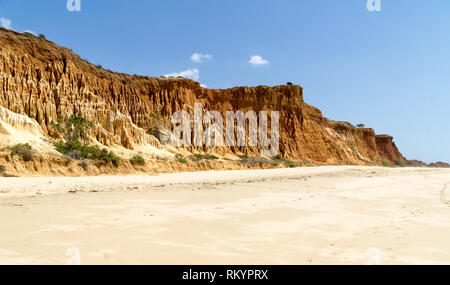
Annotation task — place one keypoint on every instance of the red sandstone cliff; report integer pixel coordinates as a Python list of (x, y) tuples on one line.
[(43, 81)]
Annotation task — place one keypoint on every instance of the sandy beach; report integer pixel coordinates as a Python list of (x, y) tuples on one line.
[(316, 215)]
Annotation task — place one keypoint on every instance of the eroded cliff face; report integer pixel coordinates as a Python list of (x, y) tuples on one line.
[(43, 81), (387, 148)]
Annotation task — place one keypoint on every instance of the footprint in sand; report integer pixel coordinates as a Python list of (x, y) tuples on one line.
[(443, 196)]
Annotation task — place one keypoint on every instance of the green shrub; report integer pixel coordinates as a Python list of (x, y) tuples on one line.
[(199, 156), (278, 157), (112, 157), (156, 116), (75, 128), (348, 123), (290, 164), (80, 151), (153, 132), (385, 163), (360, 125), (137, 160), (182, 160), (2, 168), (258, 161), (42, 36), (23, 150), (399, 162)]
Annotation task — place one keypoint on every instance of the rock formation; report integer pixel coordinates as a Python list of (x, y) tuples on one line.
[(42, 81), (387, 148), (439, 164)]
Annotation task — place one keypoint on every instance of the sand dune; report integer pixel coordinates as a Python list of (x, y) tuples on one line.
[(317, 215)]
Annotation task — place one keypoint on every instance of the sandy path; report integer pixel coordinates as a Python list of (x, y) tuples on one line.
[(321, 215)]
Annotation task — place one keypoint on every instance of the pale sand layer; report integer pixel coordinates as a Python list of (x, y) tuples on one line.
[(324, 215)]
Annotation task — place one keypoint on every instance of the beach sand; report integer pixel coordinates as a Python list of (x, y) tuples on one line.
[(314, 215)]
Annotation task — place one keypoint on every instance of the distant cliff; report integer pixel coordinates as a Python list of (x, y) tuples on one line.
[(44, 81)]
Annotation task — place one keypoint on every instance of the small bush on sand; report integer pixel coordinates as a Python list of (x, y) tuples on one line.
[(137, 160), (290, 164), (2, 168), (23, 150), (385, 163)]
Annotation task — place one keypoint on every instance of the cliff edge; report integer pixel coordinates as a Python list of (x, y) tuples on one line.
[(41, 81)]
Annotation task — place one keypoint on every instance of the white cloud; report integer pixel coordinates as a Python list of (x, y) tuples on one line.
[(192, 73), (257, 60), (5, 23), (199, 57)]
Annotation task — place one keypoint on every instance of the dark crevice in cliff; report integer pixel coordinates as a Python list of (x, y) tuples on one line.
[(65, 65)]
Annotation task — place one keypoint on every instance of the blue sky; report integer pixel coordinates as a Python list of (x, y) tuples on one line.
[(389, 70)]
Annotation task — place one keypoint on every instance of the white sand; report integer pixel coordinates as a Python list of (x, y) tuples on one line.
[(320, 215)]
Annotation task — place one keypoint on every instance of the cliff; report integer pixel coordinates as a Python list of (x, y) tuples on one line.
[(41, 81)]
